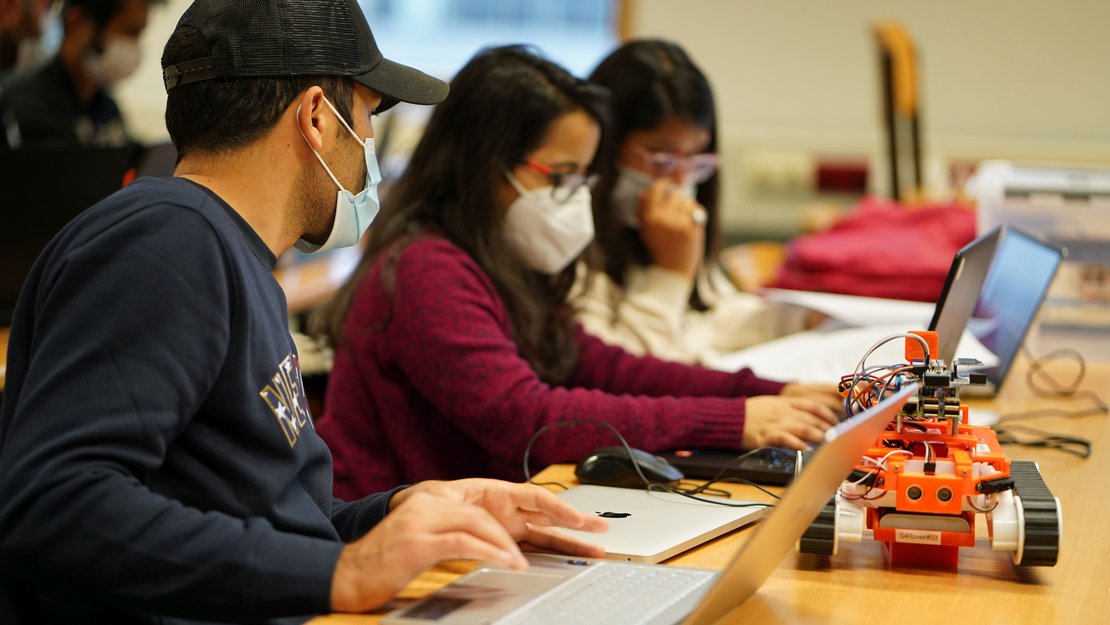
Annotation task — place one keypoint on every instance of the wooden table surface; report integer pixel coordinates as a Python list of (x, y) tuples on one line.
[(857, 586)]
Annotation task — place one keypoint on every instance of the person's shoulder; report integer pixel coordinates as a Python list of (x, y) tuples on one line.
[(156, 196), (431, 260), (150, 228), (150, 210), (428, 251)]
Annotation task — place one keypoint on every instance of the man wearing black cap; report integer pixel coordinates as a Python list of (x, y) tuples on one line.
[(158, 463)]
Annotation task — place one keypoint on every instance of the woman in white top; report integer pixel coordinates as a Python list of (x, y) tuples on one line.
[(654, 285)]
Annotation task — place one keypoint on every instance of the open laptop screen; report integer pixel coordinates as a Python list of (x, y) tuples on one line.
[(1019, 277), (999, 307), (957, 301)]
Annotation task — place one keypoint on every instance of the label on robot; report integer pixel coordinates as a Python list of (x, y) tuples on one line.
[(921, 537), (983, 448)]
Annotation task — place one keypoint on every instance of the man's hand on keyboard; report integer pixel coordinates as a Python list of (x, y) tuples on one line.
[(528, 512), (465, 519)]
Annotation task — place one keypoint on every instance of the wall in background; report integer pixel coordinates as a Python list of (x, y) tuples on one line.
[(797, 79), (141, 97)]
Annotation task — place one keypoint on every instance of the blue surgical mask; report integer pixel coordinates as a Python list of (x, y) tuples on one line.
[(353, 212)]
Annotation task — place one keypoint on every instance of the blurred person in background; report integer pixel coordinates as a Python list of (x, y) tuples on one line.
[(68, 102), (21, 21), (654, 284)]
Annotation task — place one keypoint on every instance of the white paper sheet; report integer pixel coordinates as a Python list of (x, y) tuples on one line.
[(855, 310), (825, 355)]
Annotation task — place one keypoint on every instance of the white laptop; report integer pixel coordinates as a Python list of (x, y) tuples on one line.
[(562, 589), (651, 526)]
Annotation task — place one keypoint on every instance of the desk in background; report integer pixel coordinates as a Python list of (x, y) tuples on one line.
[(310, 282), (856, 586)]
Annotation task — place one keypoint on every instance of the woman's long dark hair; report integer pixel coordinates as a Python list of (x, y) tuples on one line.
[(500, 107), (650, 81)]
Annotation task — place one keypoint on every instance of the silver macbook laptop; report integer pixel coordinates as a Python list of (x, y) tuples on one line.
[(651, 526), (560, 589)]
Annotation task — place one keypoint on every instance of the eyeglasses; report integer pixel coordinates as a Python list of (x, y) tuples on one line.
[(697, 167), (563, 184)]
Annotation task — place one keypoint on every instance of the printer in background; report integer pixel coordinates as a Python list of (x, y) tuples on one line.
[(1069, 205)]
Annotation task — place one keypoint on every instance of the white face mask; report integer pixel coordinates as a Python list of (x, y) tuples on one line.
[(546, 233), (630, 187), (353, 212), (119, 59)]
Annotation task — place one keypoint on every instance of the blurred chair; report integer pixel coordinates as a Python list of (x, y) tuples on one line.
[(752, 266), (899, 69)]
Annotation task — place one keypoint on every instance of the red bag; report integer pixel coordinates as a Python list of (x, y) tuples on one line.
[(882, 249)]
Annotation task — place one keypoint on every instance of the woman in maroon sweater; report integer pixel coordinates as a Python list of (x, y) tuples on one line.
[(455, 342)]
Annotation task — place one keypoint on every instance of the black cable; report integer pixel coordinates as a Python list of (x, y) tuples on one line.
[(703, 489), (971, 503), (720, 476), (1062, 442), (688, 495), (559, 484), (1057, 389), (1050, 412), (609, 426), (862, 369), (740, 480)]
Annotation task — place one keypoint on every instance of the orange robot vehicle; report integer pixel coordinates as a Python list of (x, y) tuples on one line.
[(919, 489)]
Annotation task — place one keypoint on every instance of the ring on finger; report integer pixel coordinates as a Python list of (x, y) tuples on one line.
[(698, 215)]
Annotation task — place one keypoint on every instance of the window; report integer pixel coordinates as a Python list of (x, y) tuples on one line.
[(439, 36)]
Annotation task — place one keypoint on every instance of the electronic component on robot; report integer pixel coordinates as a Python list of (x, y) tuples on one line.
[(919, 489)]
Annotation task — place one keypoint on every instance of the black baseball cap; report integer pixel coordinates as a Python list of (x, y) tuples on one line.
[(282, 38)]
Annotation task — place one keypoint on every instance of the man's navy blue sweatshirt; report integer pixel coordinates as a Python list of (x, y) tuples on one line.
[(158, 462)]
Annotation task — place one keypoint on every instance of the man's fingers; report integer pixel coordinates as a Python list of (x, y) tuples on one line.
[(586, 522), (541, 507), (545, 539), (464, 545), (440, 515)]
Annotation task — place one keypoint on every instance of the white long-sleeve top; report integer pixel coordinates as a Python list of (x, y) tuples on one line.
[(652, 314)]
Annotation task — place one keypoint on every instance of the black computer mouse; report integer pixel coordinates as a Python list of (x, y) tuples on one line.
[(612, 466)]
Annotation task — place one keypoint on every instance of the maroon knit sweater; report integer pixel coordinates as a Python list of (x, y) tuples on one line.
[(441, 392)]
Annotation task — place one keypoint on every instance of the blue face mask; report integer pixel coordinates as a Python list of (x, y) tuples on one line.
[(353, 212)]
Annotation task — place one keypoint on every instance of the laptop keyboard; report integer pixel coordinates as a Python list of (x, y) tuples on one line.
[(616, 592), (769, 465)]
